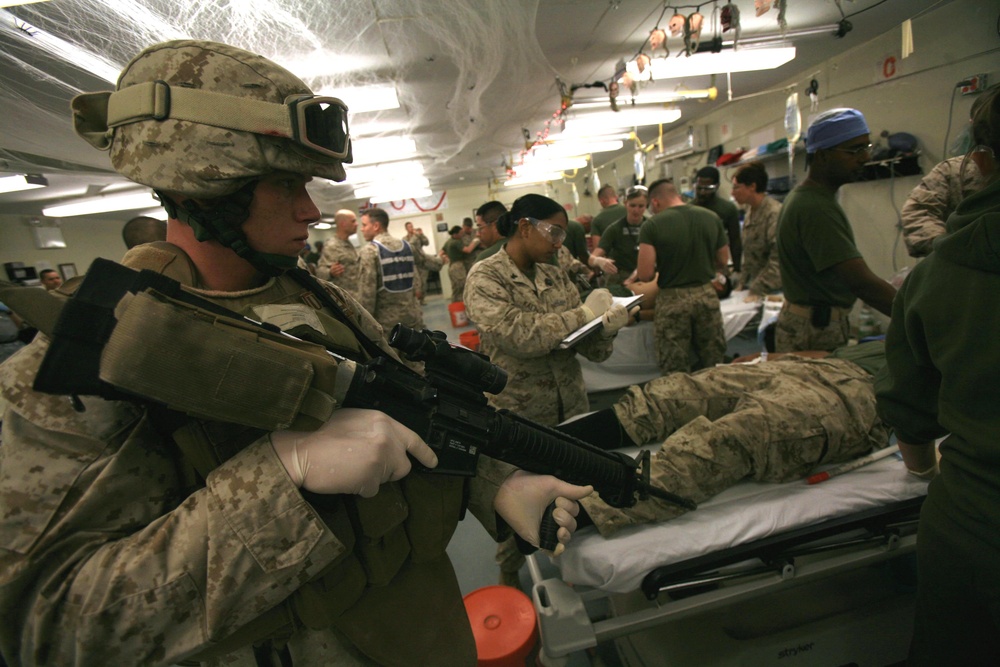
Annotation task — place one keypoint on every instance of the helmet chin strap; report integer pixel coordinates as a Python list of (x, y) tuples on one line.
[(222, 221)]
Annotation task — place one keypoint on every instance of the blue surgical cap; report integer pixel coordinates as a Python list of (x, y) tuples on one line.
[(835, 127)]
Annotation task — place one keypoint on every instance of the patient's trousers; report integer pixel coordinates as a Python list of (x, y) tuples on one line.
[(772, 422)]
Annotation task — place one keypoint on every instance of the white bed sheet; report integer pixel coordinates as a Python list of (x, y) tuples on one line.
[(746, 512)]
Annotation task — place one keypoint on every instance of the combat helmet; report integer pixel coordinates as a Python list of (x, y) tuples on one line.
[(206, 121)]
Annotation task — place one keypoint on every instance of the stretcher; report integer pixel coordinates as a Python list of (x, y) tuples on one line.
[(760, 574)]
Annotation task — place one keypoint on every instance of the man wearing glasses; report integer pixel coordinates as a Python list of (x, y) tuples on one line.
[(822, 271)]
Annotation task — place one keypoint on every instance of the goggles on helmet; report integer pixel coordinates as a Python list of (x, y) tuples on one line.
[(318, 123)]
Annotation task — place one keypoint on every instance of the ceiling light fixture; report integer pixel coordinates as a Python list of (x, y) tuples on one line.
[(384, 171), (605, 120), (532, 179), (700, 64), (22, 182), (365, 98), (85, 60), (574, 148), (391, 186), (375, 149), (400, 194), (121, 202), (544, 165)]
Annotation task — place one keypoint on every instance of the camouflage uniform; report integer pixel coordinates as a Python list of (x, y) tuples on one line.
[(424, 263), (521, 322), (112, 554), (761, 273), (457, 270), (343, 251), (933, 200), (388, 308), (771, 422)]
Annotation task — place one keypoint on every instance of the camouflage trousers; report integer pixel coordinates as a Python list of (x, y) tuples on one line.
[(771, 422), (686, 318), (794, 332), (457, 273)]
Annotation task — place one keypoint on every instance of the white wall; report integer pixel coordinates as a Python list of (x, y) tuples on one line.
[(86, 239)]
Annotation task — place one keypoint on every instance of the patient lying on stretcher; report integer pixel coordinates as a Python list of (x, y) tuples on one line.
[(771, 422)]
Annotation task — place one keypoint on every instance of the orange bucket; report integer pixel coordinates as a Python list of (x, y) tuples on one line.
[(504, 625), (469, 339), (458, 317)]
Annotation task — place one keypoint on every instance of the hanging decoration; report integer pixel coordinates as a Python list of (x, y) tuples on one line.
[(731, 21)]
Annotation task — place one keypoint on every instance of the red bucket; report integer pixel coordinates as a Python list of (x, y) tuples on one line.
[(458, 317), (504, 625), (469, 339)]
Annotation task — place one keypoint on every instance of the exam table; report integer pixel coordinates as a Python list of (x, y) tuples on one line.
[(633, 357), (760, 574)]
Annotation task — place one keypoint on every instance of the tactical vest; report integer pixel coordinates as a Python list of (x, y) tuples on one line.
[(395, 561), (396, 267)]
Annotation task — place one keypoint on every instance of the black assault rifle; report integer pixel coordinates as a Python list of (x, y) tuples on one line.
[(447, 407)]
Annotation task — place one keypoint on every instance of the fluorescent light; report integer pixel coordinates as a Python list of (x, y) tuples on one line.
[(534, 178), (384, 171), (392, 185), (583, 123), (647, 96), (123, 202), (321, 225), (365, 98), (22, 182), (11, 3), (744, 60), (69, 53), (574, 148), (547, 166), (398, 195), (377, 149)]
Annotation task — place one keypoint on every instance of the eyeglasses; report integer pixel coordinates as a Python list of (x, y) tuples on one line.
[(553, 234), (707, 187), (856, 150)]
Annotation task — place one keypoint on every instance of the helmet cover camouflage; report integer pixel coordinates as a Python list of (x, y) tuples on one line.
[(198, 160)]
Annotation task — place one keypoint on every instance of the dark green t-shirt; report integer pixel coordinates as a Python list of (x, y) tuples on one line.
[(576, 240), (490, 251), (813, 237), (730, 215), (869, 356), (605, 218), (687, 239), (620, 242), (453, 248)]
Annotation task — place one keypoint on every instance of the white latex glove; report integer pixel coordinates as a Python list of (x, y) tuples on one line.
[(605, 264), (614, 318), (355, 452), (597, 302), (522, 500)]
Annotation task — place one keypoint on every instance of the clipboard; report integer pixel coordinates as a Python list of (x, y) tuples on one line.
[(595, 324)]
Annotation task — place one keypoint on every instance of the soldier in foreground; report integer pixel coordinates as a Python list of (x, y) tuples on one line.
[(131, 537)]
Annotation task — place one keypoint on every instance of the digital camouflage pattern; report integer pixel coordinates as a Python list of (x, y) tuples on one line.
[(928, 206), (687, 318), (521, 322), (343, 251), (794, 332), (388, 308), (771, 422), (169, 155), (761, 272), (111, 555)]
